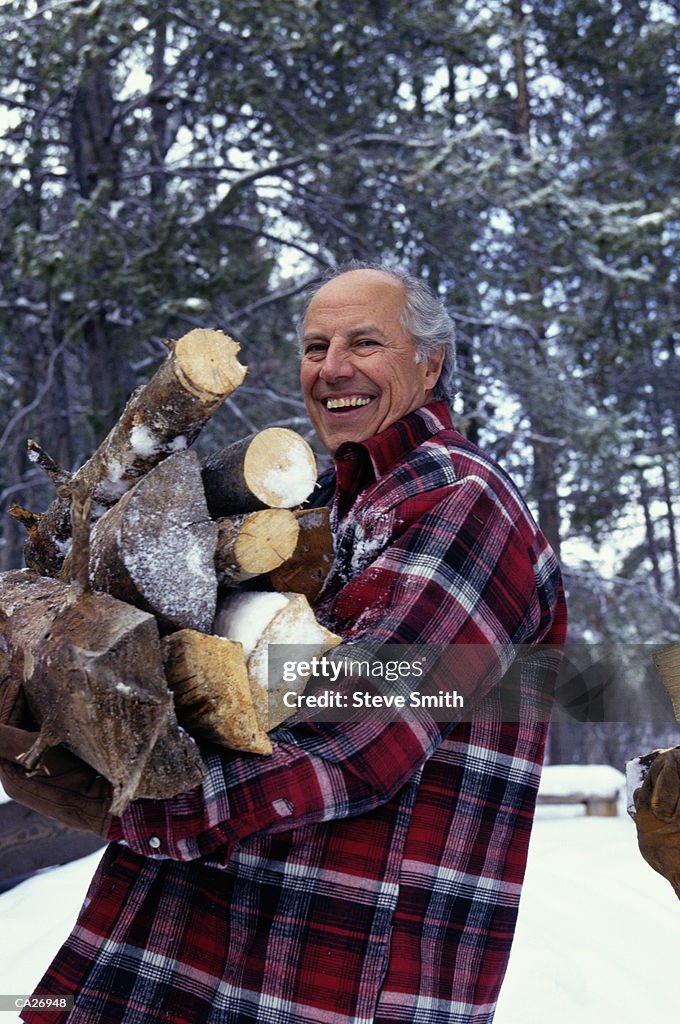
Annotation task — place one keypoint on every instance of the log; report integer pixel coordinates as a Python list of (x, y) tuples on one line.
[(160, 418), (92, 673), (257, 619), (209, 680), (306, 569), (49, 535), (174, 764), (254, 544), (667, 662), (293, 624), (59, 477), (274, 468), (155, 548)]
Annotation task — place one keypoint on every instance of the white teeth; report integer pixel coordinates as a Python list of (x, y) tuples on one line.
[(345, 403)]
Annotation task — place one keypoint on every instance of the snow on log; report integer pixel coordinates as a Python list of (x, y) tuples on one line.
[(253, 544), (92, 673), (209, 680), (161, 417), (155, 548), (306, 569), (273, 468), (667, 662), (257, 619)]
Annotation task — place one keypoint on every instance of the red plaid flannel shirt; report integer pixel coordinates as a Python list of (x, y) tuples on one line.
[(366, 871)]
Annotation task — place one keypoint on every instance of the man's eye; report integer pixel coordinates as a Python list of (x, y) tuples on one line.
[(316, 349), (367, 343)]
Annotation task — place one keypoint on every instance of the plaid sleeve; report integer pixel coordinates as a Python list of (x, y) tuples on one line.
[(463, 573)]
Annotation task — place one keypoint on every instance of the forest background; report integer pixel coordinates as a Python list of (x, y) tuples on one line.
[(167, 165)]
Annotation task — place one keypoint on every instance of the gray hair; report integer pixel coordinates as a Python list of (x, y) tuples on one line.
[(424, 317)]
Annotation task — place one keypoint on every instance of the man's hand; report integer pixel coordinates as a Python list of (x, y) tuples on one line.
[(657, 815), (63, 787)]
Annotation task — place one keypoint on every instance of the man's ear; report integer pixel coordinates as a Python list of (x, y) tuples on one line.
[(435, 361)]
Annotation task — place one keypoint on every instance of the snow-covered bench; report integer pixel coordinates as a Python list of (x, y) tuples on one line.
[(597, 786)]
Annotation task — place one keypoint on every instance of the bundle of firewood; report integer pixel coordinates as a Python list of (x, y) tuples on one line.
[(156, 580)]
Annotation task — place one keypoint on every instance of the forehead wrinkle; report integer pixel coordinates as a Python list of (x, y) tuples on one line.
[(368, 329)]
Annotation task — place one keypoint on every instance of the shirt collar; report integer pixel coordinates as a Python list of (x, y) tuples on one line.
[(384, 450)]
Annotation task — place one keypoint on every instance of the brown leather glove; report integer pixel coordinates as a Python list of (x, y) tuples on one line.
[(657, 814), (63, 786)]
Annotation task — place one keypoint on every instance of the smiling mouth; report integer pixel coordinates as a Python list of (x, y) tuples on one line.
[(355, 402)]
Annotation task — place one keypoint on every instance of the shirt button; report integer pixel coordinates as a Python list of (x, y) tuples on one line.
[(154, 842)]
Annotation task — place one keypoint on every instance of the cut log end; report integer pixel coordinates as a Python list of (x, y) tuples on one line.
[(254, 544), (279, 468), (257, 620), (206, 364), (274, 468)]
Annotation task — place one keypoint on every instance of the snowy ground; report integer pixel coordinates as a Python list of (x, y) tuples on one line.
[(597, 940), (598, 932)]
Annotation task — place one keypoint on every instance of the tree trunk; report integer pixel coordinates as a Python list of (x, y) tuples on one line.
[(545, 477), (159, 111), (652, 549), (545, 488), (96, 152), (522, 107)]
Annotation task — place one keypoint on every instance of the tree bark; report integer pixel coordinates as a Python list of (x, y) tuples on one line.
[(522, 107), (650, 535), (305, 571), (668, 665), (96, 153), (545, 486), (545, 478), (158, 102)]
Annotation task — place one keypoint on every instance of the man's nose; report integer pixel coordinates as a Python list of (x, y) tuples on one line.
[(337, 362)]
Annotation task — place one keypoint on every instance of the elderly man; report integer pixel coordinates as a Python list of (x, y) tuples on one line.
[(369, 870)]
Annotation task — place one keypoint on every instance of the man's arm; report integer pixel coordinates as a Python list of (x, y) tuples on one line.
[(463, 574)]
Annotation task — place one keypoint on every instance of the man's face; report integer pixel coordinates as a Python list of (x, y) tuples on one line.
[(359, 372)]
